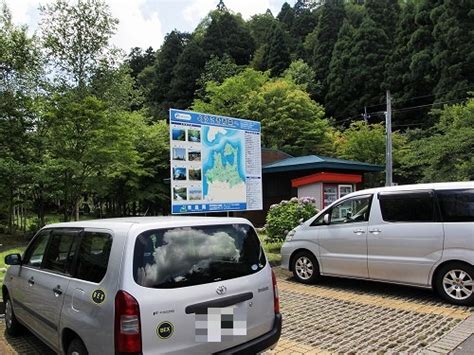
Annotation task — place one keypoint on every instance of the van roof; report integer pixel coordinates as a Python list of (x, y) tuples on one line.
[(152, 222), (428, 186)]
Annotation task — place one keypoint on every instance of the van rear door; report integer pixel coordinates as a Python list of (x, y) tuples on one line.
[(201, 289)]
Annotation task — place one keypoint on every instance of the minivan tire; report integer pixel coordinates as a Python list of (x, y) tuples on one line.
[(13, 327), (451, 282), (76, 347), (305, 267)]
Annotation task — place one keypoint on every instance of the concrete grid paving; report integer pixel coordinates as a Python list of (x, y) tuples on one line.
[(345, 316)]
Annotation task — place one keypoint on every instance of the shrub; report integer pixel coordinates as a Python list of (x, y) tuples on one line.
[(286, 215)]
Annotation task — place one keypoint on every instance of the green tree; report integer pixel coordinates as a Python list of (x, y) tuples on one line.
[(228, 34), (454, 49), (366, 143), (84, 140), (276, 53), (20, 81), (259, 26), (444, 153), (399, 79), (367, 65), (332, 17), (302, 74), (216, 70), (385, 14), (76, 37), (186, 72), (157, 79), (286, 16), (138, 60), (340, 95), (281, 104), (229, 97)]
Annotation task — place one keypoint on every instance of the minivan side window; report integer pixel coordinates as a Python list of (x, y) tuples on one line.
[(351, 210), (456, 205), (58, 254), (34, 254), (93, 256), (407, 207)]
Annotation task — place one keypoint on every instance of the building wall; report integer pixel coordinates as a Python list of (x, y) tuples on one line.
[(312, 190)]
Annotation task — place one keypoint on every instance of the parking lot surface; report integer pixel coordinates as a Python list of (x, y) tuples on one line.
[(346, 316)]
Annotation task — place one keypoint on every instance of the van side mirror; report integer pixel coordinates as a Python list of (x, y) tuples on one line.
[(326, 219), (13, 259)]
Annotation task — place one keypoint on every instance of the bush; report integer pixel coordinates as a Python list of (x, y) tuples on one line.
[(286, 215)]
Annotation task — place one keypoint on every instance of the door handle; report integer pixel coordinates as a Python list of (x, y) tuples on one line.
[(31, 281), (375, 231), (358, 231), (57, 291)]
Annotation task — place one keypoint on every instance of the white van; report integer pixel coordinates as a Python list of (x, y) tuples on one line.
[(420, 235), (170, 285)]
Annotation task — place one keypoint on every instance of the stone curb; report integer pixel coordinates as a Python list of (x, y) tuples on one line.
[(452, 339)]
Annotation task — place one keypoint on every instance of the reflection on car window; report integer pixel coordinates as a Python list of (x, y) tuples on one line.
[(34, 254), (351, 211), (93, 258), (57, 255), (179, 257)]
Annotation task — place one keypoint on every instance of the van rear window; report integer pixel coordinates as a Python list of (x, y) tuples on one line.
[(187, 256)]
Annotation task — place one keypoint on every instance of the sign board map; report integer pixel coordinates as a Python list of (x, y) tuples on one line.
[(215, 163)]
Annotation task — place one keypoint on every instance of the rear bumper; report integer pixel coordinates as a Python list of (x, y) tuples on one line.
[(259, 344)]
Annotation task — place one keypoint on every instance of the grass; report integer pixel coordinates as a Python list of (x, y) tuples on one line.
[(272, 249)]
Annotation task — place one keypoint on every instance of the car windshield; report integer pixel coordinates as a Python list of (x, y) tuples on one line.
[(187, 256)]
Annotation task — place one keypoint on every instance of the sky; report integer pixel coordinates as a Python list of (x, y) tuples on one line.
[(144, 23)]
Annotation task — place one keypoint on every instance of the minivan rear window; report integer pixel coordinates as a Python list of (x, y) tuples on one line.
[(456, 205), (187, 256), (407, 207)]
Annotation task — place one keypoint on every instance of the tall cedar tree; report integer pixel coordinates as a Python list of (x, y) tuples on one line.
[(159, 98), (138, 60), (454, 49), (259, 26), (385, 14), (276, 54), (286, 16), (186, 72), (422, 74), (370, 50), (227, 34), (398, 77), (330, 22), (304, 23), (340, 87)]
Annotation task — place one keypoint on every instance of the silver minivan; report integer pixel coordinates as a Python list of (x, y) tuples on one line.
[(157, 285), (420, 235)]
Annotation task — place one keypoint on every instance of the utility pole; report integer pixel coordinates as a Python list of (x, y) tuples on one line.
[(388, 149), (365, 115)]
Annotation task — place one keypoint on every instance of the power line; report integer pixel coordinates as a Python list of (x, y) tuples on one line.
[(404, 109)]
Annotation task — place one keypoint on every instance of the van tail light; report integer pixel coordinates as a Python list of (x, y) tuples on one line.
[(128, 338), (276, 298)]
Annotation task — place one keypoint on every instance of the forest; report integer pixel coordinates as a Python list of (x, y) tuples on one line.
[(83, 125)]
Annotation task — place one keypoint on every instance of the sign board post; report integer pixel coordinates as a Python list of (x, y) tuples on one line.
[(216, 163)]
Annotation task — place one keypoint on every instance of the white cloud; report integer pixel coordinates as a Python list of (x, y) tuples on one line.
[(133, 31)]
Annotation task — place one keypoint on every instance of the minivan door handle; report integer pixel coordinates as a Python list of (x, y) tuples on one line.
[(57, 291), (375, 231), (358, 231), (31, 281)]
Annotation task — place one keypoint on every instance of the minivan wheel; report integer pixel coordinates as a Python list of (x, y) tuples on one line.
[(76, 347), (455, 283), (12, 325), (305, 267)]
